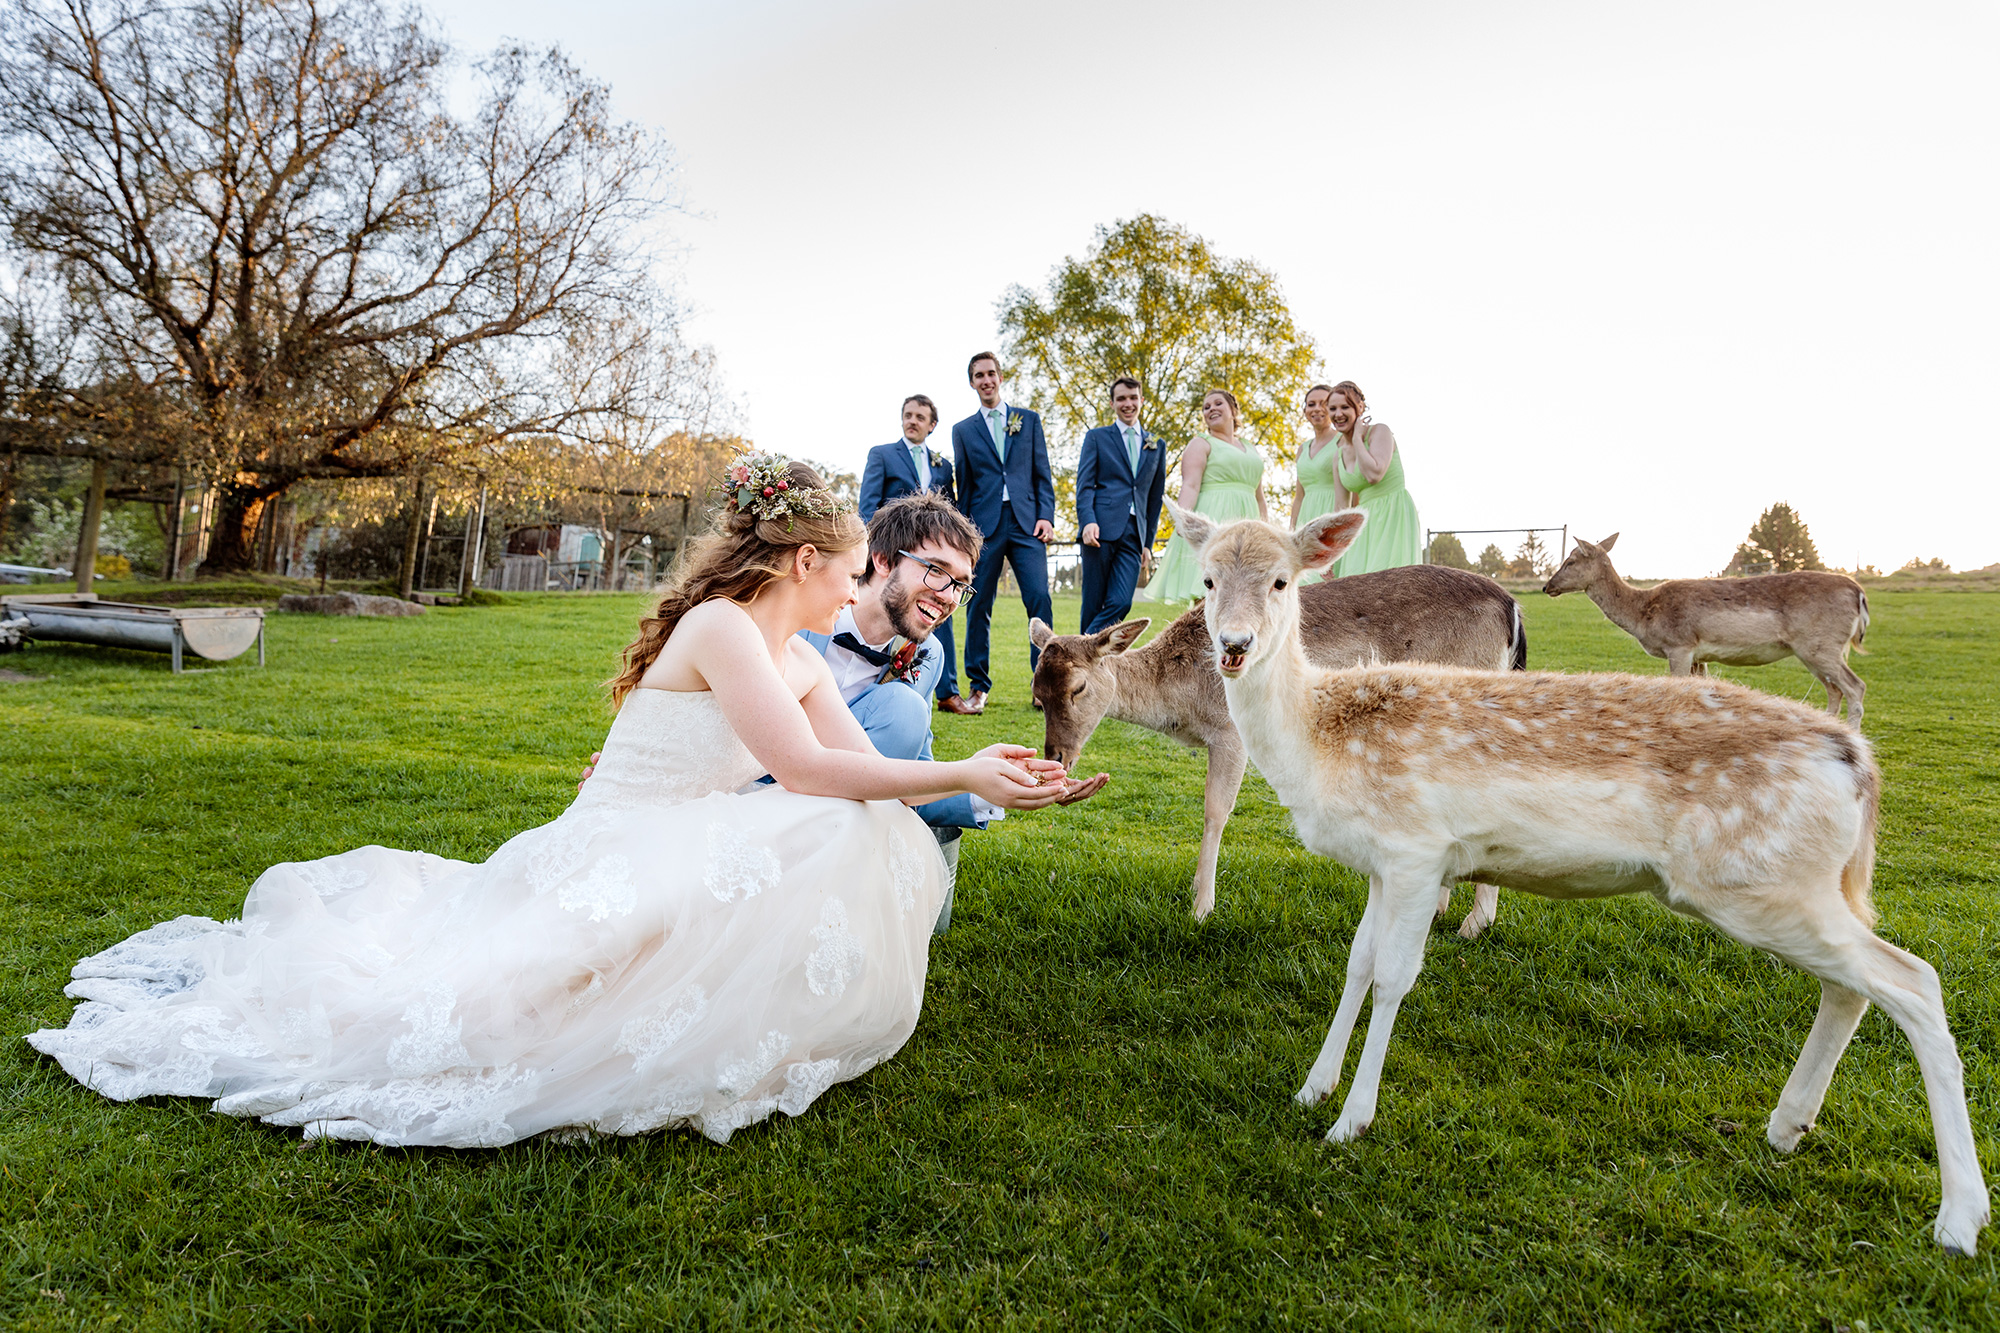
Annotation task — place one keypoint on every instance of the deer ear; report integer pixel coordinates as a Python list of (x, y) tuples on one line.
[(1320, 542), (1039, 634), (1120, 637), (1608, 542), (1194, 527)]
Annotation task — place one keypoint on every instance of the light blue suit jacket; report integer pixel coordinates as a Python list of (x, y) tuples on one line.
[(952, 811)]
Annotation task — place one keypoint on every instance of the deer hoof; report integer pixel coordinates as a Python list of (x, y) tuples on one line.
[(1473, 926), (1204, 903), (1310, 1095), (1785, 1138), (1347, 1129)]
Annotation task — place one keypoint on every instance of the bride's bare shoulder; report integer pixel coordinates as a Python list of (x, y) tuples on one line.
[(717, 613)]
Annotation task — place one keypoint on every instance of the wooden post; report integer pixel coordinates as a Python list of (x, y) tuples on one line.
[(173, 570), (406, 578), (475, 540), (430, 528), (86, 536)]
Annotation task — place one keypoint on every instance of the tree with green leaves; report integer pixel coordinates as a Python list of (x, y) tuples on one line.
[(1155, 301), (1448, 550), (1492, 561), (1778, 543), (1531, 561)]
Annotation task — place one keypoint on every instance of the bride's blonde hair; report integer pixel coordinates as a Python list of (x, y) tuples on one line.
[(736, 559)]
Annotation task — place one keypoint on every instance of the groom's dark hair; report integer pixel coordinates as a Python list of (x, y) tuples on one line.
[(906, 524), (983, 356)]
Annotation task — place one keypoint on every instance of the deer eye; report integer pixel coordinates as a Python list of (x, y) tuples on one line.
[(1079, 689), (1208, 584), (1279, 586)]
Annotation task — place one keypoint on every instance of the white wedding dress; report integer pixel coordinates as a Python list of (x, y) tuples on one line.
[(668, 952)]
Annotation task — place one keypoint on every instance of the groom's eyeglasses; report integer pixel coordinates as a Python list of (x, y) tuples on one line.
[(938, 579)]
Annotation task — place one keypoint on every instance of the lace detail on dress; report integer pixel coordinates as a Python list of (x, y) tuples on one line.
[(735, 1078), (432, 1044), (609, 890), (839, 956), (647, 1038), (906, 870), (666, 747), (739, 866)]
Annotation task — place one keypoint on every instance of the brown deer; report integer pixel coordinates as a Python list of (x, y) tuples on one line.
[(1423, 613), (1813, 615), (1751, 812)]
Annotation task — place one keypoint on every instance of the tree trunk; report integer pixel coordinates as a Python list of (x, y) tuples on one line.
[(86, 536), (406, 578), (173, 569), (239, 513)]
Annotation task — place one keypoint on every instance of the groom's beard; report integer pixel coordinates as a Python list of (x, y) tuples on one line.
[(899, 603)]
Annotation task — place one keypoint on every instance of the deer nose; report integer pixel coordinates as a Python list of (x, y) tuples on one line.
[(1236, 644)]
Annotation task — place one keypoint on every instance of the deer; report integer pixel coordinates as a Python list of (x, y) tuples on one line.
[(1423, 613), (1753, 813), (1814, 615)]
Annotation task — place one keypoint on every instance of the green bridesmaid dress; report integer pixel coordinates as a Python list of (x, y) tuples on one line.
[(1228, 492), (1393, 536), (1320, 475)]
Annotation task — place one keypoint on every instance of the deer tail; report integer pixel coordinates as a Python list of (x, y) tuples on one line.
[(1518, 652), (1860, 630)]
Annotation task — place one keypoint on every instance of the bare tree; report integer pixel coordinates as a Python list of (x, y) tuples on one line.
[(293, 250)]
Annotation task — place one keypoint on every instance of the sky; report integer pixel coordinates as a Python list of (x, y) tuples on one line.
[(1626, 267)]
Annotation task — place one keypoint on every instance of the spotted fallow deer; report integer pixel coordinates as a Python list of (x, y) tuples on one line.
[(1420, 613), (1748, 811), (1813, 615)]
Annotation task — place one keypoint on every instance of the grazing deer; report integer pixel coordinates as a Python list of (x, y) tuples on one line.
[(1751, 812), (1813, 615), (1423, 613)]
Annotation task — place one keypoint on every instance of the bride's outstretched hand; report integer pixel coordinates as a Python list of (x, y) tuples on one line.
[(1000, 774), (1074, 789)]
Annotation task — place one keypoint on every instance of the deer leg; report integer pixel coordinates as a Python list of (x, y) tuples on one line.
[(1225, 780), (1399, 956), (1680, 662), (1841, 682), (1821, 936), (1325, 1072), (1485, 911), (1840, 1011)]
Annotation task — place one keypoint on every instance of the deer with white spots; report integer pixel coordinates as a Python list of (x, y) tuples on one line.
[(1752, 813)]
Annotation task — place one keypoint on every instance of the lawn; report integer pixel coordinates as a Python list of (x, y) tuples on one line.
[(1093, 1124)]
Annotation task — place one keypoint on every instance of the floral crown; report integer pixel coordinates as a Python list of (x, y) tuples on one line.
[(760, 485)]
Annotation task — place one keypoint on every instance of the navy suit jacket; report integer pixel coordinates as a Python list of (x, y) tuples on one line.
[(891, 474), (1031, 489), (1107, 492)]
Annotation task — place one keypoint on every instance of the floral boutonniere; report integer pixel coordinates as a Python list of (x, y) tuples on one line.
[(1014, 420), (902, 663), (1149, 441)]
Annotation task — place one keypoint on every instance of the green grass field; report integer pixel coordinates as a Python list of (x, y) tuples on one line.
[(1093, 1124)]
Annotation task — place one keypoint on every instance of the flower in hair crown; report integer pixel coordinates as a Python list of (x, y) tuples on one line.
[(760, 485)]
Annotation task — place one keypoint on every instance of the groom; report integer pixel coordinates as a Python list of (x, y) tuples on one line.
[(1006, 489), (906, 467), (886, 661), (1120, 480)]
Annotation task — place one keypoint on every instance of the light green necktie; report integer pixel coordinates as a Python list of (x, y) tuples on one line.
[(1132, 450), (999, 429), (917, 462)]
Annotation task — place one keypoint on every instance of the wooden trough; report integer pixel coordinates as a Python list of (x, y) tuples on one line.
[(216, 633)]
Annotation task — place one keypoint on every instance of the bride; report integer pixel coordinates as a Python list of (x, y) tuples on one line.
[(681, 947)]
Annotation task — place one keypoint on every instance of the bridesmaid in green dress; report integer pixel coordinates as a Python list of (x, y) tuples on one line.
[(1318, 490), (1369, 469), (1221, 478)]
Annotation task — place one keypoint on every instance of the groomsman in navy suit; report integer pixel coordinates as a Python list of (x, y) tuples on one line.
[(1006, 489), (1120, 481), (906, 467)]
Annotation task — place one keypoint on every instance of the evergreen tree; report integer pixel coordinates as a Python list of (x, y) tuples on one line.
[(1492, 563), (1778, 543), (1447, 550)]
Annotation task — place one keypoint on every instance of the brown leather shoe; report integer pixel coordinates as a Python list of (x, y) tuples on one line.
[(977, 702), (954, 704)]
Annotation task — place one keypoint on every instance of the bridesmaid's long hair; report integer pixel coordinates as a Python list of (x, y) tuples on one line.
[(735, 559)]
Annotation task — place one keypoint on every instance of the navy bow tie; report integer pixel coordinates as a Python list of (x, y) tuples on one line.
[(872, 656)]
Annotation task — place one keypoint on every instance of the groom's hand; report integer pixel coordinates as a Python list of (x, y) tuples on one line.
[(1049, 771), (1082, 789)]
